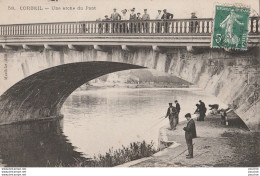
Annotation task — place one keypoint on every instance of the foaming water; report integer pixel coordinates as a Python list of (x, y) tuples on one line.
[(96, 120)]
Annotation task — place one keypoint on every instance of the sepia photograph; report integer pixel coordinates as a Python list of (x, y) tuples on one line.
[(140, 84)]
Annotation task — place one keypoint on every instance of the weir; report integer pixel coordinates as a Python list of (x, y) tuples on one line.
[(34, 53)]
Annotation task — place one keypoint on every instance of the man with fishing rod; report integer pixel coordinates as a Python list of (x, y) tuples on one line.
[(172, 114)]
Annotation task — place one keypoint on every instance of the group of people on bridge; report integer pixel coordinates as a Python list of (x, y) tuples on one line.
[(143, 27)]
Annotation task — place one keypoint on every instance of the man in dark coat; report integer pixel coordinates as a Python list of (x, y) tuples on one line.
[(223, 115), (172, 114), (166, 16), (106, 24), (139, 24), (132, 19), (203, 110), (194, 25), (190, 133), (115, 16), (178, 108)]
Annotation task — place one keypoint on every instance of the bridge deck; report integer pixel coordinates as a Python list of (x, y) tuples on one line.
[(175, 32)]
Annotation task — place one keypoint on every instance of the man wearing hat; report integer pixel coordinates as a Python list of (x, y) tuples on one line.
[(145, 17), (171, 113), (124, 17), (106, 18), (194, 25), (158, 25), (159, 15), (132, 18), (203, 110), (139, 16), (106, 24), (190, 133), (166, 16), (123, 25), (138, 23), (115, 17), (132, 15)]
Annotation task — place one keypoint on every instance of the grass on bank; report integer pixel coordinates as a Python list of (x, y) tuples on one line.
[(136, 150)]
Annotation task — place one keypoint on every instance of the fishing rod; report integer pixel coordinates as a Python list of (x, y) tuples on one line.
[(156, 123), (182, 152), (156, 120), (161, 117)]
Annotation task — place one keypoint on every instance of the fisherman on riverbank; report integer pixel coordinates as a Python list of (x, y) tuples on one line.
[(172, 114), (178, 108), (203, 110), (190, 133)]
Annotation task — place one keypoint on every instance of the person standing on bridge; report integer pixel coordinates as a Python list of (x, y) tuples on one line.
[(145, 17), (159, 15), (194, 25), (132, 19), (115, 17), (123, 25), (190, 133), (106, 19), (172, 114), (178, 108), (158, 24), (138, 23), (166, 16)]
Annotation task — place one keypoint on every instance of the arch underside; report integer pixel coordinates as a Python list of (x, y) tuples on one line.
[(42, 94)]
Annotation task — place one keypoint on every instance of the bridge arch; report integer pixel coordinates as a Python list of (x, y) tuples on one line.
[(42, 94), (218, 72)]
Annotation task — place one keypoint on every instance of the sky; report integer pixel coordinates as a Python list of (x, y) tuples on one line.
[(100, 8)]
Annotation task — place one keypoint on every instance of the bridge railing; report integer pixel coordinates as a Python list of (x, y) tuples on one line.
[(150, 27)]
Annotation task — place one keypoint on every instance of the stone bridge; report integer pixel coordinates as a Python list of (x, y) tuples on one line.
[(42, 64)]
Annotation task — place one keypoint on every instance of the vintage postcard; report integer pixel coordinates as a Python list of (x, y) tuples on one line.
[(140, 83)]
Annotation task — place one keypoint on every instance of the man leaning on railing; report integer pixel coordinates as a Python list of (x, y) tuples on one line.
[(166, 16), (194, 25)]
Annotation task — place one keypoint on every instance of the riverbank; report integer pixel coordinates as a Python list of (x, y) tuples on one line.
[(131, 86), (216, 146)]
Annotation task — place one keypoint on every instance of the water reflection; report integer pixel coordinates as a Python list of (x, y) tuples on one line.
[(35, 144)]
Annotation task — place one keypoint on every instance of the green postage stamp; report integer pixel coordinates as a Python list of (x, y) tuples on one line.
[(230, 27)]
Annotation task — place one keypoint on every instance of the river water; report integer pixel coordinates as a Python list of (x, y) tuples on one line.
[(97, 120), (94, 121)]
